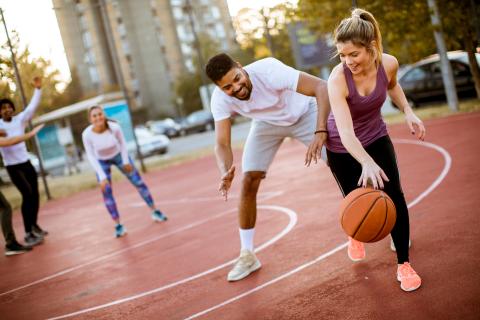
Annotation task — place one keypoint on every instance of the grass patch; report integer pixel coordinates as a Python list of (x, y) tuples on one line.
[(65, 186)]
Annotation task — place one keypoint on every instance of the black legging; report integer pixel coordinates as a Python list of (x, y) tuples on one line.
[(24, 177), (347, 171)]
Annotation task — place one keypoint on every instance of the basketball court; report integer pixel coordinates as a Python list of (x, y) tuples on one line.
[(177, 269)]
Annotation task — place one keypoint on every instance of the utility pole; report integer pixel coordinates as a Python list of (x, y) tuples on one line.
[(187, 8), (24, 101), (119, 74), (447, 74)]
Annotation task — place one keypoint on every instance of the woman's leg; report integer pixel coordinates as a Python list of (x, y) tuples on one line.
[(107, 192), (383, 153), (135, 178)]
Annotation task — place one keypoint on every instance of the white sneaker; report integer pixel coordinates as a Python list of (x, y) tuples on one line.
[(392, 245), (246, 264)]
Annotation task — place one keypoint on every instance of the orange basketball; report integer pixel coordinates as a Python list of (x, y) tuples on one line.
[(367, 215)]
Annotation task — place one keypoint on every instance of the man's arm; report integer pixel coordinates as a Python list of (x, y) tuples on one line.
[(316, 87), (224, 154), (29, 111), (6, 142)]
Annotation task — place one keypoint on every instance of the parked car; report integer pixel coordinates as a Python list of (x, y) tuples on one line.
[(422, 82), (150, 143), (167, 126), (198, 121)]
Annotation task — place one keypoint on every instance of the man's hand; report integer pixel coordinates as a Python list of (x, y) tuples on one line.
[(37, 82), (226, 182), (3, 133), (315, 148), (35, 130)]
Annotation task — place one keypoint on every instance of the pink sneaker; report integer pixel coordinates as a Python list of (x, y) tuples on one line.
[(409, 279), (356, 250)]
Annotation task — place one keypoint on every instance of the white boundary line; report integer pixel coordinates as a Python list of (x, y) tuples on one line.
[(446, 168), (266, 195), (292, 222), (261, 197)]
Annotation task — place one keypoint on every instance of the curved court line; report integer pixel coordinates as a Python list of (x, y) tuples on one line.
[(266, 195), (446, 168), (292, 222), (261, 197)]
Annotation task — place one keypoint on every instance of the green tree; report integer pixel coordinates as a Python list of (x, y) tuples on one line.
[(405, 25), (28, 68), (252, 26)]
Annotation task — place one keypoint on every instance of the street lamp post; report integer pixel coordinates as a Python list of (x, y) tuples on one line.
[(118, 72), (187, 8), (24, 101)]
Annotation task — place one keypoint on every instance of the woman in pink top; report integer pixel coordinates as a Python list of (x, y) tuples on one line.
[(359, 149), (105, 146)]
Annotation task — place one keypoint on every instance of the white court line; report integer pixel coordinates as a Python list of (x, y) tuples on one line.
[(261, 197), (292, 222), (446, 168), (266, 195)]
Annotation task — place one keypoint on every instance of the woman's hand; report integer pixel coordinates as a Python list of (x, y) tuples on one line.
[(372, 173), (127, 168), (103, 184), (415, 124)]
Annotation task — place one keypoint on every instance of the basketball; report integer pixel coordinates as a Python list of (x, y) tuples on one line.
[(367, 215)]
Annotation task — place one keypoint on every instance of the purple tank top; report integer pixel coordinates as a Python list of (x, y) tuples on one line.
[(365, 110)]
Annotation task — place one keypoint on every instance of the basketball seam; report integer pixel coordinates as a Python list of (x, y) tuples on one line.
[(384, 222), (364, 217), (352, 201)]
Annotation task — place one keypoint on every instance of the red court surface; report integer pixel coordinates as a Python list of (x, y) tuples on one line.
[(177, 269)]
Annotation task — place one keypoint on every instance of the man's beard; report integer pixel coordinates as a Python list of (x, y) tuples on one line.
[(248, 88)]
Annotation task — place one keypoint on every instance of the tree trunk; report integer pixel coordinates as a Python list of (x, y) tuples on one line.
[(474, 68), (447, 74)]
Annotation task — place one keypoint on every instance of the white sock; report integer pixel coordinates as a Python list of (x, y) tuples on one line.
[(246, 238)]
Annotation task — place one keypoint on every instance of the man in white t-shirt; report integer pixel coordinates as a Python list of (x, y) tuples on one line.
[(17, 162), (279, 100)]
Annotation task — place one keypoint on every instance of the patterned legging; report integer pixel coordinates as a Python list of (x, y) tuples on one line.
[(134, 178)]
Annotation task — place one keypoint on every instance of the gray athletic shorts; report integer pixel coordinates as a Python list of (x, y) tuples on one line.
[(264, 139)]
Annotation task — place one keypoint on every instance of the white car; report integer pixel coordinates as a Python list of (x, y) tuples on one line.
[(150, 143)]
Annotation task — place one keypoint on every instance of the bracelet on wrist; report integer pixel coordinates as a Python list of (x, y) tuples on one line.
[(320, 131)]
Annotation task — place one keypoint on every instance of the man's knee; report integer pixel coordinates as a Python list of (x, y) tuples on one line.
[(251, 180)]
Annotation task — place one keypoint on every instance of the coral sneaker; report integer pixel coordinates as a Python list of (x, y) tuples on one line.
[(409, 279), (356, 250)]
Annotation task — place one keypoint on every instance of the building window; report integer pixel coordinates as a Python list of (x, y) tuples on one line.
[(178, 13), (220, 30), (87, 40), (215, 12), (94, 75), (189, 64)]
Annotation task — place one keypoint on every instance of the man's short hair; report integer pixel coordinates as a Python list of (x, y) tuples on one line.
[(7, 101), (218, 66)]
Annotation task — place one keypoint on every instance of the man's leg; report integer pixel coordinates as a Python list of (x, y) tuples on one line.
[(262, 144), (247, 209)]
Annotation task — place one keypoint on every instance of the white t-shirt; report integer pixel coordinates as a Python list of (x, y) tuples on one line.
[(273, 99), (104, 146), (16, 127)]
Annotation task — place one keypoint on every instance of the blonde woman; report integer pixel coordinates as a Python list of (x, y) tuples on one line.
[(359, 149)]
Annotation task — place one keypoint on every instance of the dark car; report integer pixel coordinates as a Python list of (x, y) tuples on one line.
[(198, 121), (167, 126), (422, 82)]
